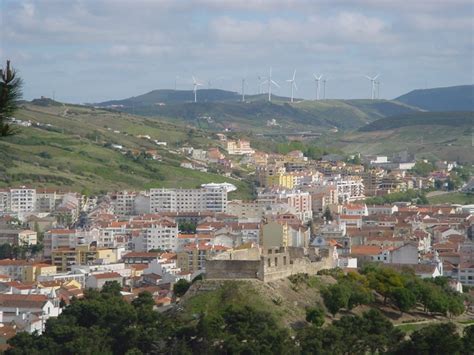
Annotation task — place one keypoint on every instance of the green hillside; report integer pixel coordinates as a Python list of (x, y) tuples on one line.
[(451, 119), (454, 98), (352, 114), (425, 141), (217, 109), (72, 147)]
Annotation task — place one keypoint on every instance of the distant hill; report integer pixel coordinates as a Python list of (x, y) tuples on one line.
[(454, 98), (157, 97), (451, 119), (432, 135), (223, 109)]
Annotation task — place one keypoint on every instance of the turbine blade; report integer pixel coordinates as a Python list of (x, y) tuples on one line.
[(294, 83), (275, 83)]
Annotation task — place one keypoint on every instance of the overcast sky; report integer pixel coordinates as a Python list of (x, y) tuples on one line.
[(95, 50)]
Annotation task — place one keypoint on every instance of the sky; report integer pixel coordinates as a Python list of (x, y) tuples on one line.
[(96, 50)]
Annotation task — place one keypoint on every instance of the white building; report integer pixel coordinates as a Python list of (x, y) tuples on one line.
[(160, 235), (206, 199), (22, 199)]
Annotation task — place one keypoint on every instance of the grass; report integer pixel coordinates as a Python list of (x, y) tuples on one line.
[(235, 293), (411, 327), (72, 153), (453, 198)]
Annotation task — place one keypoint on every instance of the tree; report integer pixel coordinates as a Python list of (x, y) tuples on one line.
[(468, 340), (10, 94), (144, 301), (111, 289), (436, 339), (403, 298), (181, 287), (336, 297), (327, 214), (315, 315)]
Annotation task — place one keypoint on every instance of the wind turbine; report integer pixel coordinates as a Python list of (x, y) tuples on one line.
[(324, 89), (317, 79), (373, 84), (378, 89), (293, 84), (195, 87), (270, 82), (243, 89)]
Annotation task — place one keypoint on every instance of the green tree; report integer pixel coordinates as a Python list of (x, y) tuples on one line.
[(181, 287), (327, 214), (436, 339), (403, 298), (10, 94), (336, 297), (468, 340), (315, 315)]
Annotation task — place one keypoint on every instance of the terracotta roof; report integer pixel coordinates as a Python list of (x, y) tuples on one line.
[(366, 250), (22, 301), (107, 275)]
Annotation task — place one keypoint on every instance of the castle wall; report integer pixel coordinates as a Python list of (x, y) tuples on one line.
[(232, 269)]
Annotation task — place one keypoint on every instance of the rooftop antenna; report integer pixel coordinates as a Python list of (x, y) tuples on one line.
[(195, 87), (270, 82), (292, 84), (317, 79), (372, 80)]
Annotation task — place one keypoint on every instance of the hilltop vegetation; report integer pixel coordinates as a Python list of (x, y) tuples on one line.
[(226, 110), (454, 98), (73, 147)]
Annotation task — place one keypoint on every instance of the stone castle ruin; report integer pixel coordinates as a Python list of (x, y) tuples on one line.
[(268, 264)]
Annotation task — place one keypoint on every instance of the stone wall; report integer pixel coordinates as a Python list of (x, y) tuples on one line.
[(273, 264), (232, 269)]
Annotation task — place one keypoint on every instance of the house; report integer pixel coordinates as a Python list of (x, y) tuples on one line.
[(466, 274), (97, 281), (30, 312), (406, 254)]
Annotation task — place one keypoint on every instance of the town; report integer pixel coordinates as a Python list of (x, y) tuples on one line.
[(307, 215)]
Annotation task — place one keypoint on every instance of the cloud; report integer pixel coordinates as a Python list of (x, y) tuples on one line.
[(220, 38)]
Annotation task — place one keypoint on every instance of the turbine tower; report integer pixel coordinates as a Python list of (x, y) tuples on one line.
[(195, 87), (373, 84), (317, 79), (243, 89), (292, 84), (270, 82), (324, 89)]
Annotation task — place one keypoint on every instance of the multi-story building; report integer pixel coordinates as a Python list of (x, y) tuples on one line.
[(18, 237), (4, 200), (239, 147), (160, 235), (298, 201), (125, 203), (192, 258), (350, 189), (64, 258), (22, 199), (67, 238), (205, 199)]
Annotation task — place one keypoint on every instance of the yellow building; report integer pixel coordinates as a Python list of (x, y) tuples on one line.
[(83, 255), (32, 271), (285, 180)]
